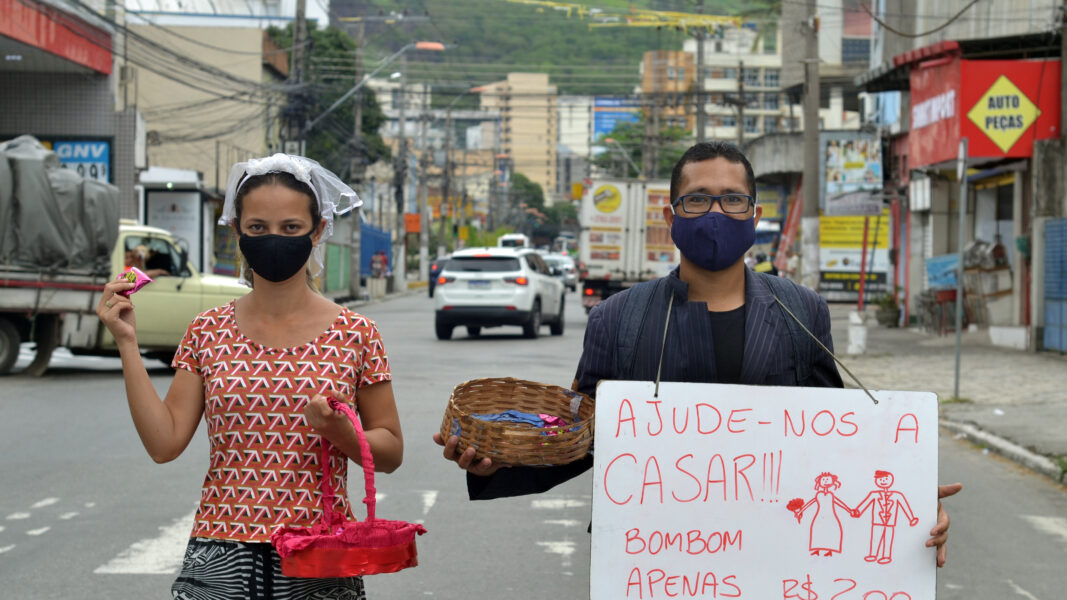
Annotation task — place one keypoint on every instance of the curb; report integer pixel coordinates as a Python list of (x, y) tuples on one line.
[(1010, 450)]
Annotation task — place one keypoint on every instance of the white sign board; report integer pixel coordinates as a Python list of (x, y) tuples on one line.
[(179, 213), (730, 491)]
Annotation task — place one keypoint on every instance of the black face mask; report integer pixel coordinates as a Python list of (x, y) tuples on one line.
[(276, 257)]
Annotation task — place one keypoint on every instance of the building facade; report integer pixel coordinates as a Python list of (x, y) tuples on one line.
[(529, 124)]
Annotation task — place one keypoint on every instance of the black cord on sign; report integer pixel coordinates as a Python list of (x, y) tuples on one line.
[(821, 345)]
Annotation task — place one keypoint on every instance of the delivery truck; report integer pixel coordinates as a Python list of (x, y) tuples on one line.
[(61, 241), (624, 239)]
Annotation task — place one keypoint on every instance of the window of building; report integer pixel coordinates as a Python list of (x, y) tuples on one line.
[(729, 121), (751, 125), (855, 51), (718, 45), (394, 99), (729, 73), (670, 72), (752, 100), (770, 124), (681, 72), (770, 77), (770, 101), (752, 77)]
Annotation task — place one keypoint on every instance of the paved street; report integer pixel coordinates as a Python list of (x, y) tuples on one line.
[(80, 492)]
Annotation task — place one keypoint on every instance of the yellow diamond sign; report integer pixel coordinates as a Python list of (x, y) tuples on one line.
[(1004, 113)]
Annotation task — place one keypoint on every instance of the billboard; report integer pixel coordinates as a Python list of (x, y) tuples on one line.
[(609, 111)]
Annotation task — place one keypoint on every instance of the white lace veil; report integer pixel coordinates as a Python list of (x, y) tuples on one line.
[(333, 195)]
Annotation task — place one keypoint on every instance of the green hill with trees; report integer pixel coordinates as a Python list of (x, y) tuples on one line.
[(486, 39)]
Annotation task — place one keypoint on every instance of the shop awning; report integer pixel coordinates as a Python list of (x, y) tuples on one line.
[(894, 75)]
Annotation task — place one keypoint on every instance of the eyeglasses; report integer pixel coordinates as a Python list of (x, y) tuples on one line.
[(700, 204)]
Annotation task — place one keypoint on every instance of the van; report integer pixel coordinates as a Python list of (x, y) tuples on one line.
[(513, 240)]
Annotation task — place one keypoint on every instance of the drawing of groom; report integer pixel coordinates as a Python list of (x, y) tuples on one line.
[(884, 504)]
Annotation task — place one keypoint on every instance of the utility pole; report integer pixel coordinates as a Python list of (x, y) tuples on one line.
[(400, 173), (296, 75), (424, 163), (809, 222), (355, 173), (702, 118), (446, 182), (741, 104), (356, 166)]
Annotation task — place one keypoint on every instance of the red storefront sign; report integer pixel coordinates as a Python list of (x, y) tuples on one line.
[(935, 112), (1001, 106), (1007, 104), (54, 31)]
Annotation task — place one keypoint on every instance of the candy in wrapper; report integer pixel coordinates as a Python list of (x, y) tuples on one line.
[(136, 277)]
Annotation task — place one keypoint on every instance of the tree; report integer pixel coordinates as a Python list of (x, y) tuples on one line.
[(332, 142), (630, 136)]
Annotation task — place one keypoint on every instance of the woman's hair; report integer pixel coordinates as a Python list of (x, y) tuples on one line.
[(273, 178), (835, 485)]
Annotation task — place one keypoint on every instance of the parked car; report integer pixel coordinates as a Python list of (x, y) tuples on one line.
[(492, 287), (562, 266), (435, 271)]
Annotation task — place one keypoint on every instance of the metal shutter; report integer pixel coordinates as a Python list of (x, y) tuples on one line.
[(1056, 285)]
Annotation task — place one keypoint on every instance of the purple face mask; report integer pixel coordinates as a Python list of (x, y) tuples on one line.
[(713, 241)]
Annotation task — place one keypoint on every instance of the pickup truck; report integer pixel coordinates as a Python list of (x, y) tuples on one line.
[(55, 307)]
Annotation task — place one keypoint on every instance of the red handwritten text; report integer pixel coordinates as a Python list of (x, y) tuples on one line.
[(715, 480), (822, 424), (703, 584), (691, 542)]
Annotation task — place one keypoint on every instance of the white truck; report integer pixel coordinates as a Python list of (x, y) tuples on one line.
[(624, 239), (61, 241)]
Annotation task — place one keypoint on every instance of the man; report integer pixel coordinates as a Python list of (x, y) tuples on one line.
[(884, 504), (712, 307)]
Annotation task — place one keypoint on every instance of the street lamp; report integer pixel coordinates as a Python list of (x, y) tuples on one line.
[(430, 46), (627, 155)]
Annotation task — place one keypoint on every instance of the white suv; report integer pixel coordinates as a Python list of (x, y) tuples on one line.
[(489, 287)]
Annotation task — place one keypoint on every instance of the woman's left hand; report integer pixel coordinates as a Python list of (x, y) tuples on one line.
[(323, 418)]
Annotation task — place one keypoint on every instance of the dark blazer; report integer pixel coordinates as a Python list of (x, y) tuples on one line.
[(768, 359)]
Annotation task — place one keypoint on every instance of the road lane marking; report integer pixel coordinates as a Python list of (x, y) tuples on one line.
[(565, 548), (1054, 526), (90, 504), (45, 502), (18, 516), (6, 548), (563, 522), (1, 528), (38, 531), (161, 555), (429, 498), (68, 515), (558, 503), (1020, 591)]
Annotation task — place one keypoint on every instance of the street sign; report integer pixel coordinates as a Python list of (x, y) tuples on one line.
[(854, 204)]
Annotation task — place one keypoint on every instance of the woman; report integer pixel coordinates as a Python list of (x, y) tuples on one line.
[(825, 533), (259, 370)]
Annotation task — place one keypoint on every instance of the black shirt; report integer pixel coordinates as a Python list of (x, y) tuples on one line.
[(728, 338)]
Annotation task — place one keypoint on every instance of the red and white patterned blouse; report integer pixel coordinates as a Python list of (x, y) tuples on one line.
[(265, 468)]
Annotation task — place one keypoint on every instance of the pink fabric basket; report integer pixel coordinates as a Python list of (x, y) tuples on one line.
[(336, 547)]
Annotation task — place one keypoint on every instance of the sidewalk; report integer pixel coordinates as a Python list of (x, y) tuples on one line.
[(1012, 402)]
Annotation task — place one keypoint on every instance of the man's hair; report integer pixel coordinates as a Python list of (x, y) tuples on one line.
[(706, 151), (882, 474)]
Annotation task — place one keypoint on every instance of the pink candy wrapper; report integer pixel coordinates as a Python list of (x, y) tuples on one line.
[(136, 277)]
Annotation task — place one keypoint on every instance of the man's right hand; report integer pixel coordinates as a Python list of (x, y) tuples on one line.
[(482, 468)]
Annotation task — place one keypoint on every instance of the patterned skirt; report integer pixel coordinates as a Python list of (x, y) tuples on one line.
[(223, 570)]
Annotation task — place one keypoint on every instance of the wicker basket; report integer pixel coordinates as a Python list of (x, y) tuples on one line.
[(514, 444)]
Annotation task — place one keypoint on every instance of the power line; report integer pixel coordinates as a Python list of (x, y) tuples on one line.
[(891, 29)]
